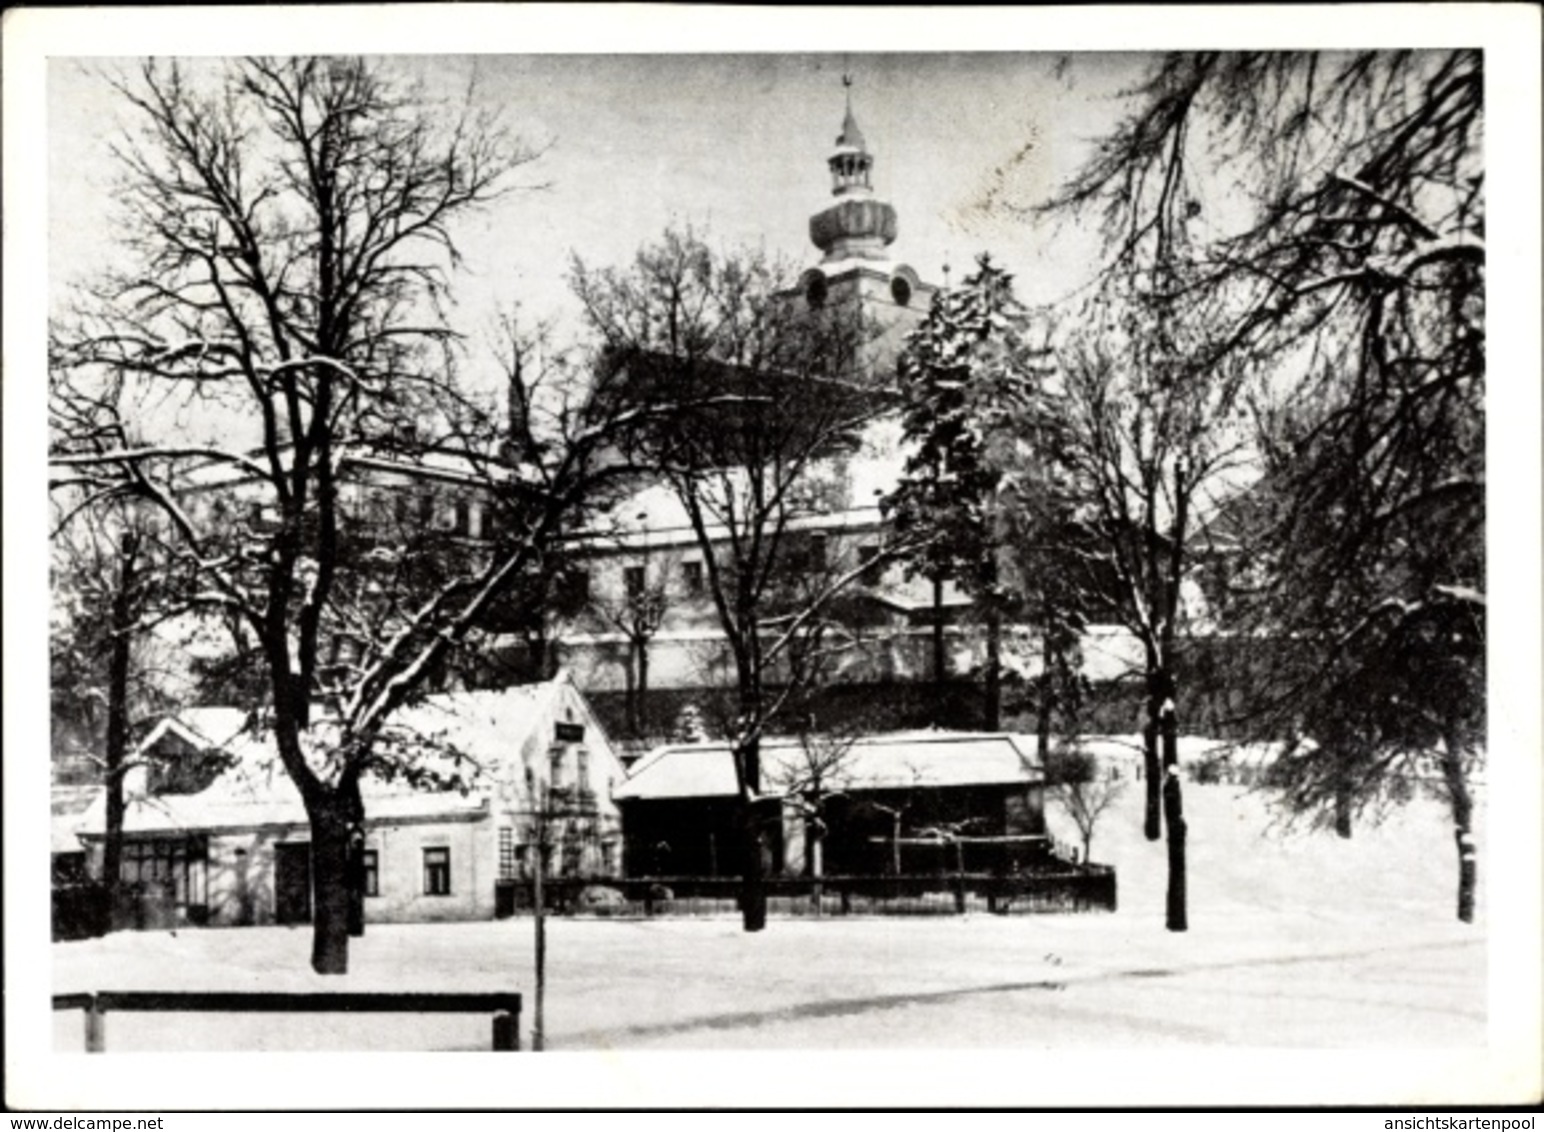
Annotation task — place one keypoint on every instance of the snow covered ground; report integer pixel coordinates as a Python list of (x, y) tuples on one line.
[(1298, 939)]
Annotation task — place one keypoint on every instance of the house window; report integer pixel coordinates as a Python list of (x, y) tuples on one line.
[(463, 518), (572, 855), (574, 590), (817, 559), (633, 581), (507, 865), (436, 872), (372, 872), (175, 867), (874, 572), (691, 575)]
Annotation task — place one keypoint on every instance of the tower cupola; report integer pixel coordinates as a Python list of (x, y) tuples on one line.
[(857, 226)]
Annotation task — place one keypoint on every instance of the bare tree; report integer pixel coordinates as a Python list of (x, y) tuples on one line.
[(637, 614), (290, 229), (1083, 788), (820, 774), (109, 593), (687, 323), (1145, 440), (1348, 277)]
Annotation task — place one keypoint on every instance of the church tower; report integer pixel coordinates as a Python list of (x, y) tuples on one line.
[(854, 234)]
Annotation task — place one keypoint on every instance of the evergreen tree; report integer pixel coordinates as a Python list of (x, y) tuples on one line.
[(965, 379)]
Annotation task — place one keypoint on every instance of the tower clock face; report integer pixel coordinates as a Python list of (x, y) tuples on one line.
[(900, 291)]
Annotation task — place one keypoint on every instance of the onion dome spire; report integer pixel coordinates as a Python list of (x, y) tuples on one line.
[(857, 225)]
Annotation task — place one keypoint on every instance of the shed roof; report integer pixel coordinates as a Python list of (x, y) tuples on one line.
[(880, 762)]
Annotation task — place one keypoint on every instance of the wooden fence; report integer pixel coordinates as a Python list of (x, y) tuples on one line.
[(504, 1006), (1074, 889)]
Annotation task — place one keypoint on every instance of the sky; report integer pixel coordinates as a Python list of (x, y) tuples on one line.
[(732, 144)]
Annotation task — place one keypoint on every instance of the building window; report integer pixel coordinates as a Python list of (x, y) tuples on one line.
[(818, 560), (691, 575), (507, 865), (463, 518), (573, 590), (176, 867), (436, 872), (875, 571), (372, 872), (633, 581), (572, 855)]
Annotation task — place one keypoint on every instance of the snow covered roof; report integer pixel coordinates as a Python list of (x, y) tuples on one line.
[(654, 515), (493, 728), (182, 813), (1191, 748), (70, 804), (880, 762), (201, 727)]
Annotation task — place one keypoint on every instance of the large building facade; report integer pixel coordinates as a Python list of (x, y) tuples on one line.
[(640, 573)]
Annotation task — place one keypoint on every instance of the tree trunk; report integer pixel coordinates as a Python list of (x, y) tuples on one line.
[(117, 760), (753, 885), (753, 882), (1177, 919), (356, 860), (1043, 708), (940, 662), (641, 709), (630, 690), (1151, 774), (539, 916), (539, 650), (329, 888), (817, 866), (1342, 811), (116, 755), (994, 675), (1463, 834)]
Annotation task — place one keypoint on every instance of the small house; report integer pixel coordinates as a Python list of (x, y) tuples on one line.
[(888, 804), (215, 831)]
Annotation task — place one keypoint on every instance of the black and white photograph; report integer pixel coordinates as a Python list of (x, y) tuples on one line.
[(859, 557)]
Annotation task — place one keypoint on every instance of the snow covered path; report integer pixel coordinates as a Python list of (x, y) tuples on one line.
[(1297, 940)]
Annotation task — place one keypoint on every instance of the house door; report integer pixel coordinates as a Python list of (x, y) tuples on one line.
[(292, 882)]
